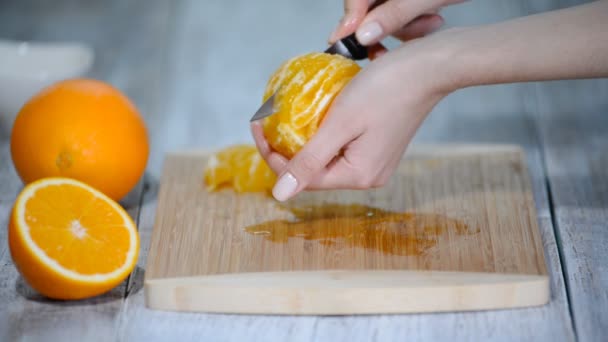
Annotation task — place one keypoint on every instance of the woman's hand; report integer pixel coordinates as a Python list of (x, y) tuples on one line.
[(403, 19), (368, 126)]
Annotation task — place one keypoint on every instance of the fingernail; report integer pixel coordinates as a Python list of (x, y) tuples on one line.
[(285, 187), (369, 33)]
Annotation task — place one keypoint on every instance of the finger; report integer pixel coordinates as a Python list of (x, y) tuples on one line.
[(420, 27), (340, 174), (364, 163), (312, 158), (390, 17), (260, 140), (354, 169), (376, 51), (354, 12), (275, 161)]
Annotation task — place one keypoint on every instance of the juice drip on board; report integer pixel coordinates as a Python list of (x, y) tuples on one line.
[(361, 226)]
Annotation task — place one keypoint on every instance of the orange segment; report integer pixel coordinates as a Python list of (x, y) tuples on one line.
[(240, 167), (70, 241), (305, 87)]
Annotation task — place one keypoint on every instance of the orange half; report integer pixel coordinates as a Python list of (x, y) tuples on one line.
[(69, 240)]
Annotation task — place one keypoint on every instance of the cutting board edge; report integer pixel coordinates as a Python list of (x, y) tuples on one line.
[(337, 292), (413, 150)]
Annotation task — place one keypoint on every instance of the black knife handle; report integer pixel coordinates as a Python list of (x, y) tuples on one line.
[(357, 51), (348, 47)]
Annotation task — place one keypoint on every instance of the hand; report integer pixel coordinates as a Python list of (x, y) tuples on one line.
[(370, 123), (368, 126), (403, 19)]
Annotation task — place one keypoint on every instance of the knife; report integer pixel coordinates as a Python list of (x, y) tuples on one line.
[(348, 47)]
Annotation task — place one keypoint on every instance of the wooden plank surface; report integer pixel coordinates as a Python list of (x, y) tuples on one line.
[(454, 209), (463, 217), (573, 122)]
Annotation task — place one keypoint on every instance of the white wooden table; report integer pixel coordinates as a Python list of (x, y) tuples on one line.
[(196, 69)]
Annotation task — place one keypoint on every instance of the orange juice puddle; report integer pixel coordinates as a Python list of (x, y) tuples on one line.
[(389, 232)]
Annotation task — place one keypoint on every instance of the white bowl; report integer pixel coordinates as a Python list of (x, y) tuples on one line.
[(28, 67)]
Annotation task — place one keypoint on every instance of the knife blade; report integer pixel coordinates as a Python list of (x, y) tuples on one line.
[(348, 47)]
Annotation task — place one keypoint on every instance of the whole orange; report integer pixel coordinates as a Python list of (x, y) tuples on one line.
[(83, 129)]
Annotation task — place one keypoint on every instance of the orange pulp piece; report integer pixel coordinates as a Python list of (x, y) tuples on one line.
[(240, 167)]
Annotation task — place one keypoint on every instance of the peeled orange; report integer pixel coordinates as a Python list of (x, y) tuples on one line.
[(305, 87), (82, 129), (70, 241), (240, 167)]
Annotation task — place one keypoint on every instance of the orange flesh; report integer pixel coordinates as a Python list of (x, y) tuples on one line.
[(305, 87), (240, 167), (75, 228)]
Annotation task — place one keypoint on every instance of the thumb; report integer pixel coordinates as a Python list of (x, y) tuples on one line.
[(310, 161)]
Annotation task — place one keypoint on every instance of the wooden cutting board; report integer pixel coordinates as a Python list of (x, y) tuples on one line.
[(455, 229)]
